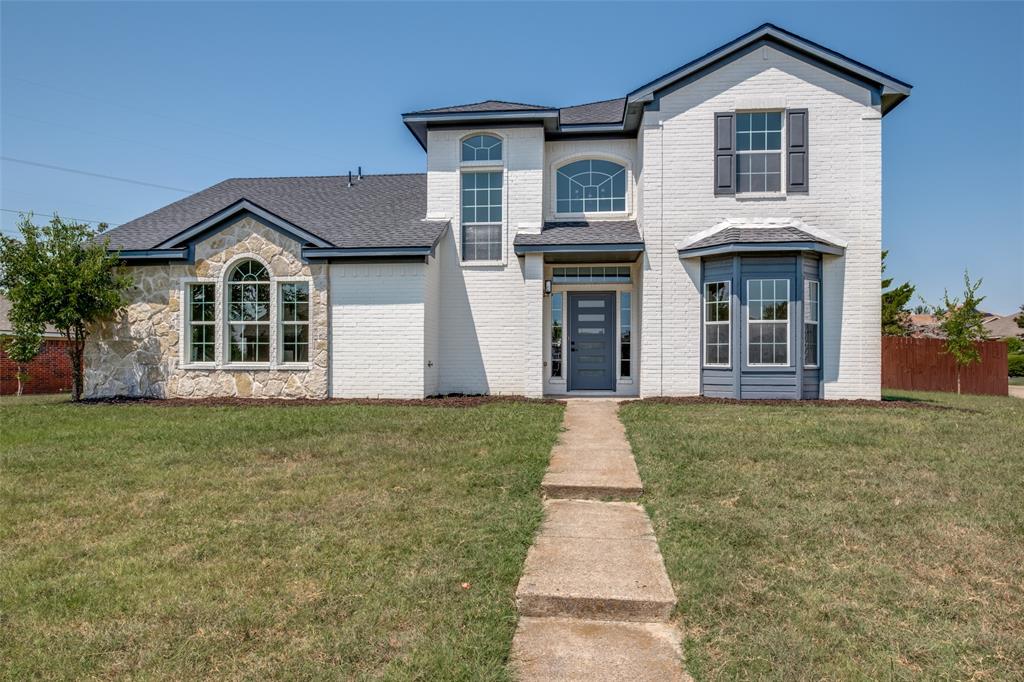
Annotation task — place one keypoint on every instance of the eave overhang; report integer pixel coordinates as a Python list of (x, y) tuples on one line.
[(760, 247), (153, 256), (634, 247), (418, 123), (329, 254)]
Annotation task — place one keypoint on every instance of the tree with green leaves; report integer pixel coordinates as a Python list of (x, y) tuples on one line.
[(21, 347), (962, 325), (895, 316), (61, 275), (1020, 317)]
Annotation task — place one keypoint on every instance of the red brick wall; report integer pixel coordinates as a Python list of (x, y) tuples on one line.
[(48, 373)]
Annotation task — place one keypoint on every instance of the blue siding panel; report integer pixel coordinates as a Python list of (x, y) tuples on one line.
[(739, 380)]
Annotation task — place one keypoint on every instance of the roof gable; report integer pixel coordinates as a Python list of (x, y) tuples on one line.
[(223, 218), (892, 90)]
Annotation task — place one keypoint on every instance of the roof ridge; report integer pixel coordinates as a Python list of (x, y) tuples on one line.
[(312, 177), (600, 101), (483, 101)]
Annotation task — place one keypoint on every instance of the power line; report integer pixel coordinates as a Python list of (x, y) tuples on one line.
[(50, 215), (154, 114), (95, 175), (87, 131)]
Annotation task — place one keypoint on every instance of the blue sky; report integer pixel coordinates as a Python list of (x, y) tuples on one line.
[(182, 95)]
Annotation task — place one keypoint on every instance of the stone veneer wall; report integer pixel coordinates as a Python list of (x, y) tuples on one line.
[(139, 352)]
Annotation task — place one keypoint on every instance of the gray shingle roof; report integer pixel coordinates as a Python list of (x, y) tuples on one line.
[(606, 111), (377, 211), (755, 235), (485, 106), (583, 232)]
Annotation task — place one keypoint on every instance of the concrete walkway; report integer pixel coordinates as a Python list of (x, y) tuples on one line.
[(1016, 391), (594, 599)]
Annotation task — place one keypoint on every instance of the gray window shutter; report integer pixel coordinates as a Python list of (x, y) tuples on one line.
[(796, 151), (725, 153)]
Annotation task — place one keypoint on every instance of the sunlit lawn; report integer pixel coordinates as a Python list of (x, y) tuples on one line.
[(264, 542), (841, 542)]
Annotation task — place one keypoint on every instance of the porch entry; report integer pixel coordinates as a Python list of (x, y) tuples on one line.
[(592, 341)]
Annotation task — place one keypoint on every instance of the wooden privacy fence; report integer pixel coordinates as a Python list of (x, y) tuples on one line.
[(923, 365)]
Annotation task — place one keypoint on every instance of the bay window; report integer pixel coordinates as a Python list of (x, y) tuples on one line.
[(717, 324), (812, 320), (768, 322)]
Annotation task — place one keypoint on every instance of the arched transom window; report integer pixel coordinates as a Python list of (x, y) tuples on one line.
[(481, 148), (591, 186), (249, 313)]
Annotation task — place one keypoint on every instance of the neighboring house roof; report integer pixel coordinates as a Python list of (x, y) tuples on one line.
[(624, 114), (582, 235), (5, 320), (925, 326), (377, 211), (1002, 326), (923, 319), (736, 236)]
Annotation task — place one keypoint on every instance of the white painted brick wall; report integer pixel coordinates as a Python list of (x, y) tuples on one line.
[(561, 152), (844, 198), (377, 330), (483, 309), (432, 327)]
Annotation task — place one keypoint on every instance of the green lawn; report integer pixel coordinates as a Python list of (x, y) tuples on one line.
[(809, 542), (264, 542)]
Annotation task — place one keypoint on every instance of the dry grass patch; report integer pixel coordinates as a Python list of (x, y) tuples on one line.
[(843, 543)]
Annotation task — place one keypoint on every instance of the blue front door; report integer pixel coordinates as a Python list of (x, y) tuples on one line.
[(592, 342)]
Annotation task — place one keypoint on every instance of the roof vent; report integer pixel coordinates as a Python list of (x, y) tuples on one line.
[(359, 172), (350, 178)]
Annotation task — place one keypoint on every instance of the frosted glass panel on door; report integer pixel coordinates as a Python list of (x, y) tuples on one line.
[(591, 304)]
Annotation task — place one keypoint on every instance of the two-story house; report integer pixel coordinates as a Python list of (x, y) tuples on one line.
[(716, 231)]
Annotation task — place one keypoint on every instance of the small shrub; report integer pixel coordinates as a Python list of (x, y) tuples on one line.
[(1014, 345), (1016, 365)]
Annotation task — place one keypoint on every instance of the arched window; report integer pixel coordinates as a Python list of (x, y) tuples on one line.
[(481, 148), (591, 186), (249, 313)]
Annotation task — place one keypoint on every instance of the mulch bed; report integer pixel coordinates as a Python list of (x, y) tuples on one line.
[(438, 401), (893, 403)]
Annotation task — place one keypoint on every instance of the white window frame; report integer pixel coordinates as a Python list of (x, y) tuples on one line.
[(185, 353), (782, 160), (278, 308), (228, 323), (727, 323), (789, 331), (816, 323), (628, 322), (482, 162), (563, 297), (558, 164), (488, 166)]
